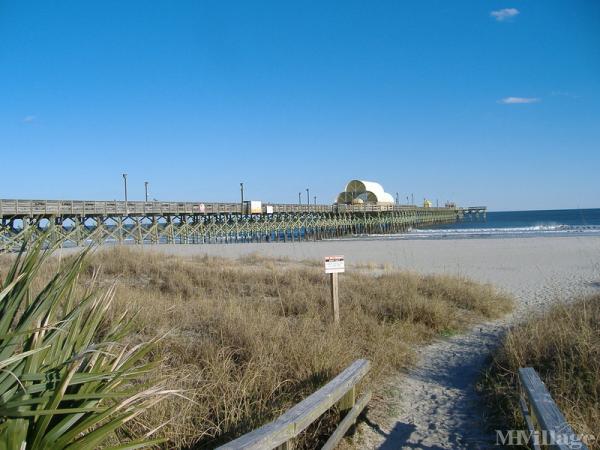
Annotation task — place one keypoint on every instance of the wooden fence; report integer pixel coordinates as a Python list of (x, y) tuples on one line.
[(545, 422), (280, 433)]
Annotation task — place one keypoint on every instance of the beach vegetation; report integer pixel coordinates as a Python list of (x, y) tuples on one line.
[(563, 346), (67, 379), (246, 339)]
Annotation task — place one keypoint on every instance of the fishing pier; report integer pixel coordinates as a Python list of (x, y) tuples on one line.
[(76, 223)]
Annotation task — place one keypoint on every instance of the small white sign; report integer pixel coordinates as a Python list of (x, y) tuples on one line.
[(334, 264)]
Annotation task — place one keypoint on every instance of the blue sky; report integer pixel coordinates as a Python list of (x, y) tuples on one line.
[(481, 102)]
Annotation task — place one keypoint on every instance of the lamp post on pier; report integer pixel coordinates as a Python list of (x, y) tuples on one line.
[(308, 198), (242, 198), (300, 198), (125, 185), (146, 190)]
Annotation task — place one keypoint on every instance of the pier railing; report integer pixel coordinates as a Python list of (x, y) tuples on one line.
[(546, 424), (10, 207), (340, 391)]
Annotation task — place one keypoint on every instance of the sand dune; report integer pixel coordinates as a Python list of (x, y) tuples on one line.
[(536, 270), (435, 405)]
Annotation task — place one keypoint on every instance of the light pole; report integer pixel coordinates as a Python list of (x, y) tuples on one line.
[(125, 183), (146, 190), (299, 198), (308, 198), (412, 199), (315, 200), (397, 199), (242, 196)]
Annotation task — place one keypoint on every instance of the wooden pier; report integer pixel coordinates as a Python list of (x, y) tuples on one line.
[(84, 222)]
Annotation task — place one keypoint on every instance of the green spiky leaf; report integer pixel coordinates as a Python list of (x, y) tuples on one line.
[(63, 382)]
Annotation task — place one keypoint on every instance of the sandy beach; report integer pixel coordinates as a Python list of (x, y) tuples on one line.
[(536, 270), (435, 405)]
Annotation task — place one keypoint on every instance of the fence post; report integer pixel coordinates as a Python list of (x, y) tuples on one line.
[(348, 400), (335, 301), (333, 266)]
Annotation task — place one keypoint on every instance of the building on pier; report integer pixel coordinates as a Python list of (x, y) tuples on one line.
[(359, 191)]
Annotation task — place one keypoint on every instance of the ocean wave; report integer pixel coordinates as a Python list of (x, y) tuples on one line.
[(512, 230), (496, 232)]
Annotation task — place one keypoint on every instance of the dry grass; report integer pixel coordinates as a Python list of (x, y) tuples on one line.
[(246, 339), (563, 346)]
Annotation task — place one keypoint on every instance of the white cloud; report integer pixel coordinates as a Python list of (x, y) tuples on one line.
[(518, 100), (29, 119), (504, 14)]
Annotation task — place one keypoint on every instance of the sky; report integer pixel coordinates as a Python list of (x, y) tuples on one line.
[(481, 102)]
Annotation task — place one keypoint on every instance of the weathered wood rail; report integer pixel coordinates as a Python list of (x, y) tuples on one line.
[(78, 222), (545, 422), (47, 208), (340, 391)]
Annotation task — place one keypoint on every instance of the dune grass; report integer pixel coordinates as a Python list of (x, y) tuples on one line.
[(563, 346), (248, 338)]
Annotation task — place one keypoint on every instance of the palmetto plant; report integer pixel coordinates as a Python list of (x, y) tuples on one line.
[(66, 378)]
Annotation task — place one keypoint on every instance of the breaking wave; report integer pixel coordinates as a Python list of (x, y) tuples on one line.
[(457, 233)]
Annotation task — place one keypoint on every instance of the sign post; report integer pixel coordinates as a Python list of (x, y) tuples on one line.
[(333, 266)]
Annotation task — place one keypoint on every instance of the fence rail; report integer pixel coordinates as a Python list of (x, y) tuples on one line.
[(282, 431), (547, 425), (11, 207)]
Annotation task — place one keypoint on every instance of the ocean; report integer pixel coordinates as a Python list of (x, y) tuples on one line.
[(562, 222)]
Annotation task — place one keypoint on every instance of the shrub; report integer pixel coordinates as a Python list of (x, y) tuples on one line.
[(66, 378)]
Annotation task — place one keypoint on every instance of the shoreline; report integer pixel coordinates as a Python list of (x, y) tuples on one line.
[(537, 271), (524, 267)]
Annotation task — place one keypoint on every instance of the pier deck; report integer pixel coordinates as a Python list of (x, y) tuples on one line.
[(77, 222)]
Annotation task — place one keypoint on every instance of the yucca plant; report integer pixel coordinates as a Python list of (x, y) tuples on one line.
[(66, 378)]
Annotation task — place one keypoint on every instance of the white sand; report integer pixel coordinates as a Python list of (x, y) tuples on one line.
[(435, 405), (536, 270)]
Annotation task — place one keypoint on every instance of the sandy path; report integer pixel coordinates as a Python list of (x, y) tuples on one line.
[(435, 405)]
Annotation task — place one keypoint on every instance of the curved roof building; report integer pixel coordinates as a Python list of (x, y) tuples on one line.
[(365, 192)]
